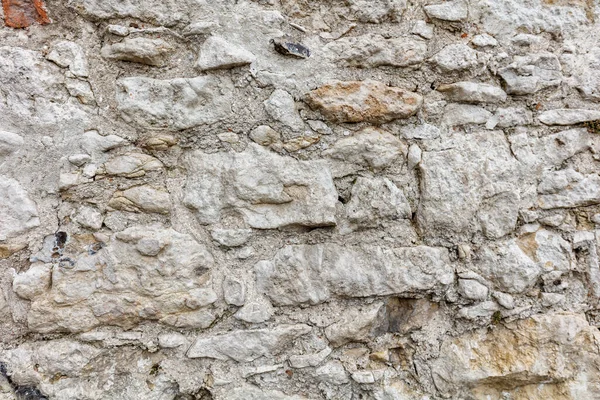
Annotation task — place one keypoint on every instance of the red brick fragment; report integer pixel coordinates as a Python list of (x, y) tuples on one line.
[(22, 13)]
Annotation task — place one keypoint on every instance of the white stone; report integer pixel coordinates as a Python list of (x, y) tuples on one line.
[(471, 92), (282, 107), (455, 57), (531, 73), (453, 11), (568, 188), (118, 30), (234, 291), (131, 165), (422, 132), (373, 50), (333, 372), (374, 200), (484, 40), (247, 345), (89, 217), (269, 190), (218, 53), (356, 325), (265, 135), (18, 213), (376, 11), (171, 340), (422, 29), (568, 116), (255, 311), (370, 147), (33, 282), (231, 237), (309, 360), (143, 198), (509, 117), (330, 270), (139, 50), (472, 290), (464, 114), (69, 54), (10, 143), (178, 103)]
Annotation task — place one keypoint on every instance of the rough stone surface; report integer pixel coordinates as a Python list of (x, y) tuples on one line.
[(367, 101), (299, 200)]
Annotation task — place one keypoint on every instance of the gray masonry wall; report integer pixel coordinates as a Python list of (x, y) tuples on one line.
[(294, 200)]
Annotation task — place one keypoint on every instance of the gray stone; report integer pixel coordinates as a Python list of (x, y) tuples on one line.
[(509, 117), (231, 237), (248, 345), (265, 135), (423, 29), (270, 191), (453, 11), (18, 213), (330, 270), (568, 116), (376, 11), (456, 57), (471, 92), (309, 360), (143, 198), (139, 50), (532, 73), (234, 291), (472, 290), (374, 200), (370, 147), (484, 40), (463, 114), (71, 55), (373, 50), (282, 107), (422, 132), (333, 373), (178, 103), (568, 188), (255, 311), (217, 53), (357, 325), (9, 144)]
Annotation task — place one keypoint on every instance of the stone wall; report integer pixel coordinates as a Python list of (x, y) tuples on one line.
[(294, 199)]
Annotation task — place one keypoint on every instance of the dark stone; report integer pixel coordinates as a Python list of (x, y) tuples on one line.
[(288, 48)]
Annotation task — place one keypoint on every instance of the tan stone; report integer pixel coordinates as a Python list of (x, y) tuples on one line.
[(367, 101)]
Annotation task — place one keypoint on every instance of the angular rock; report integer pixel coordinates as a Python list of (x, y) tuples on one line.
[(231, 237), (33, 282), (287, 47), (455, 183), (178, 103), (472, 290), (94, 143), (89, 217), (423, 29), (159, 12), (248, 345), (315, 273), (373, 50), (568, 116), (375, 200), (366, 101), (532, 73), (141, 199), (69, 54), (133, 165), (422, 132), (333, 373), (484, 40), (357, 325), (509, 117), (371, 147), (218, 53), (456, 57), (142, 273), (265, 135), (139, 50), (471, 92), (567, 189), (453, 11), (464, 114), (270, 191), (18, 213), (251, 392), (256, 311), (9, 144), (376, 11), (544, 356), (282, 107), (309, 360), (234, 291)]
